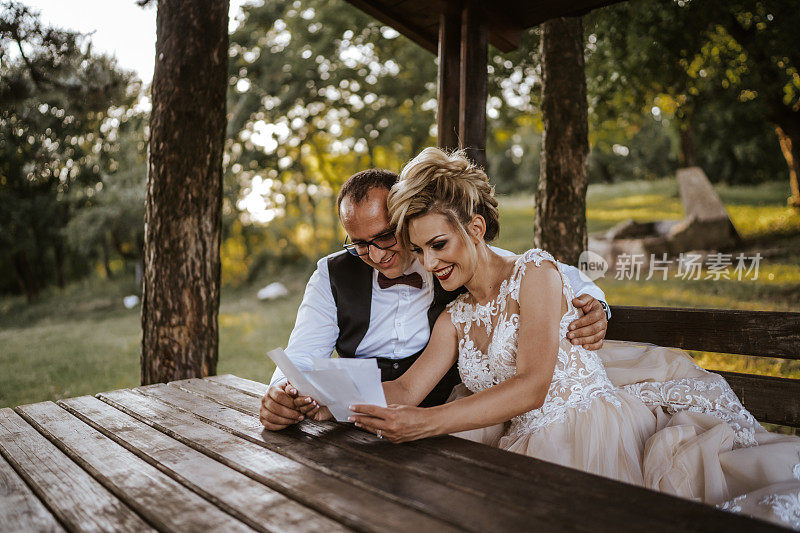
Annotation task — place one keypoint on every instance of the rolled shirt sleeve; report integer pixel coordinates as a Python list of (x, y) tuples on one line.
[(582, 285)]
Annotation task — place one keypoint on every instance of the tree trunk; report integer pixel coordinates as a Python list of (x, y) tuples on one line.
[(790, 146), (184, 191), (24, 276), (688, 155), (560, 226), (61, 277), (107, 258)]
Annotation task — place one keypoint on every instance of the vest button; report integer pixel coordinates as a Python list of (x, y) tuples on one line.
[(396, 366)]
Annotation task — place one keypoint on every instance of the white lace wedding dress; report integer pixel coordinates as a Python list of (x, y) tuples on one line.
[(637, 413)]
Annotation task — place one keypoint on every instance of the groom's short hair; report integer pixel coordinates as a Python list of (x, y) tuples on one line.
[(358, 185)]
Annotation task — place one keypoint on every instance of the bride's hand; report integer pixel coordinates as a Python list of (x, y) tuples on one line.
[(397, 423)]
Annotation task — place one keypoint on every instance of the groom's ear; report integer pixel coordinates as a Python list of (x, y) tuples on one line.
[(477, 228)]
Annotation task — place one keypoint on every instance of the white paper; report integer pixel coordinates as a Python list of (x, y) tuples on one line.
[(293, 374), (335, 383), (365, 375)]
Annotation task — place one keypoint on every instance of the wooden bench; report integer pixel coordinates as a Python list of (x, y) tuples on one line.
[(772, 400)]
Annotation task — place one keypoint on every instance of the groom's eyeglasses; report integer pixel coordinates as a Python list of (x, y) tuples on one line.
[(383, 241)]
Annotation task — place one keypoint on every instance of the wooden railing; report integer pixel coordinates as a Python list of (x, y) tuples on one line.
[(760, 333)]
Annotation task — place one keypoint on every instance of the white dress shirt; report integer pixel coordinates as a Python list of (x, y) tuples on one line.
[(398, 324)]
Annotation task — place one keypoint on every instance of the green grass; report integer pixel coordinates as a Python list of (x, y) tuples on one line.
[(81, 340)]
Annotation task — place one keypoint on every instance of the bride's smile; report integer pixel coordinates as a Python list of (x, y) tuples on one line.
[(444, 273), (442, 250)]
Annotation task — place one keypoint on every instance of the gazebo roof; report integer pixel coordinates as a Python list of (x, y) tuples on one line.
[(419, 19)]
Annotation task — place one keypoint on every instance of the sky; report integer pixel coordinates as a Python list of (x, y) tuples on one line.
[(121, 28)]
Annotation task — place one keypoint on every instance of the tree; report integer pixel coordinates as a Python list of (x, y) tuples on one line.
[(766, 33), (184, 191), (560, 225), (697, 61), (56, 94), (110, 218)]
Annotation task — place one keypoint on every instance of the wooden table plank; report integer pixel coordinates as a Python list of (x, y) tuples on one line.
[(77, 500), (352, 505), (243, 384), (164, 502), (490, 484), (20, 509), (674, 513), (446, 470), (253, 503), (603, 501), (464, 509)]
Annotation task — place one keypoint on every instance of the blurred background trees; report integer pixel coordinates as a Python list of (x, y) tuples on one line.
[(318, 91), (56, 144)]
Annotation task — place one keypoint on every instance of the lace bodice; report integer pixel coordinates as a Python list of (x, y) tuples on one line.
[(488, 336)]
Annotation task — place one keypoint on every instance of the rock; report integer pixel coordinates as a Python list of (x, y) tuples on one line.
[(272, 291), (700, 200), (694, 234), (630, 229), (706, 226)]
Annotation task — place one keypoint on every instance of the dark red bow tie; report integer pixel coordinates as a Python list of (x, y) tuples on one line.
[(413, 279)]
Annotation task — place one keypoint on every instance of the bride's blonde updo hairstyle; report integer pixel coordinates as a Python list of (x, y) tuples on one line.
[(447, 183)]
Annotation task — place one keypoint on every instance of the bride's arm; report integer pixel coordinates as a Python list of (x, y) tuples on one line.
[(433, 363), (541, 307)]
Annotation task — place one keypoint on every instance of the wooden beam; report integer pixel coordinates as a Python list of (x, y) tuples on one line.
[(449, 79), (393, 18), (534, 13), (505, 33), (474, 81)]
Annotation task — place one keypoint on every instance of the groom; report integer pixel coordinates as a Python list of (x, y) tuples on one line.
[(374, 300)]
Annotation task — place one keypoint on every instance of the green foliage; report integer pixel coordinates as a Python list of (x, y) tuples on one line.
[(111, 214), (56, 93), (646, 154), (318, 91), (718, 74)]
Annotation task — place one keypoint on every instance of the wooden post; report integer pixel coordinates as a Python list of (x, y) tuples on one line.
[(449, 79), (184, 191), (473, 81), (560, 226)]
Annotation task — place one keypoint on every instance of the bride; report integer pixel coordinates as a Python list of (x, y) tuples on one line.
[(636, 413)]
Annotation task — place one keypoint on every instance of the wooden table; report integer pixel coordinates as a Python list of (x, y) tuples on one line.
[(192, 456)]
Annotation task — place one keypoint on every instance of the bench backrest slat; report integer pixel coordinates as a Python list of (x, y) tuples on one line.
[(769, 399), (761, 333)]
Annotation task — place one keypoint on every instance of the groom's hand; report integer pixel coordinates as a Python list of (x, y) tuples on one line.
[(589, 330), (280, 409)]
